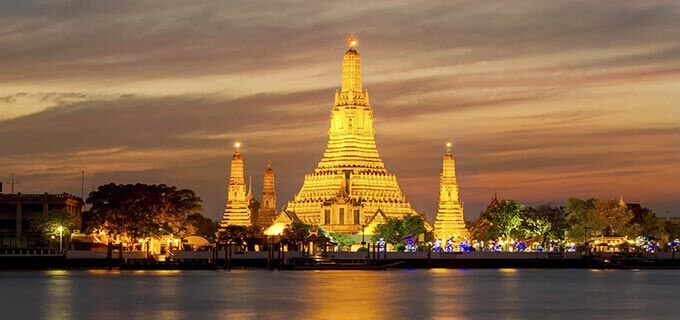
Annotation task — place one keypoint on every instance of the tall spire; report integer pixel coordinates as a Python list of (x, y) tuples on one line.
[(351, 67), (236, 211), (268, 206), (449, 222), (350, 183), (249, 194)]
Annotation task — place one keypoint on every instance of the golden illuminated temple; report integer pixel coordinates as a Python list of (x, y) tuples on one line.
[(449, 222), (237, 211), (350, 185)]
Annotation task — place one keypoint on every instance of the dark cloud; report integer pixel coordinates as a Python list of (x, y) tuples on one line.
[(143, 39)]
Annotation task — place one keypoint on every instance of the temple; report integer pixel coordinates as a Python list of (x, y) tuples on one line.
[(350, 185), (449, 222), (267, 212), (237, 211)]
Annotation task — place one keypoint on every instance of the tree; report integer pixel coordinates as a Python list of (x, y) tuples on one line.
[(413, 225), (393, 230), (245, 237), (232, 234), (646, 224), (390, 231), (535, 227), (505, 220), (672, 229), (127, 211), (295, 233), (583, 219), (48, 224), (199, 225), (597, 217), (481, 229), (342, 240), (253, 235), (546, 222)]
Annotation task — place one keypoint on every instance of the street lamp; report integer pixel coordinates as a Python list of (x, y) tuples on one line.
[(61, 233)]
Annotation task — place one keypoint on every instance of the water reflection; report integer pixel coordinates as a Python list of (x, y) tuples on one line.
[(414, 294), (350, 295), (59, 296)]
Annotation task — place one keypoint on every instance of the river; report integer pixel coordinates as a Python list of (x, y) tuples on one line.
[(392, 294)]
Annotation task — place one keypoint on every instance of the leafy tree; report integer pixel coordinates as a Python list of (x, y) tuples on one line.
[(617, 218), (481, 229), (390, 230), (546, 222), (646, 224), (412, 225), (672, 229), (253, 235), (535, 227), (134, 211), (245, 237), (596, 217), (296, 233), (583, 219), (48, 224), (341, 239), (232, 234), (197, 224), (505, 220), (393, 230)]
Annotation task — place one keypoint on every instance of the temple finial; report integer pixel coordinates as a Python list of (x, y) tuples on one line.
[(237, 147), (351, 68), (448, 148), (352, 41)]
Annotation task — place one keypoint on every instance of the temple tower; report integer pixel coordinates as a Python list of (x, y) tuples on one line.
[(268, 205), (350, 184), (249, 193), (236, 211), (449, 221)]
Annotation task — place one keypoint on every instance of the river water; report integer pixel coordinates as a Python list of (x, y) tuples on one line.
[(394, 294)]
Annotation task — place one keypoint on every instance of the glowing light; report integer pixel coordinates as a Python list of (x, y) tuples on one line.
[(237, 145), (60, 229), (448, 144), (352, 41), (275, 229)]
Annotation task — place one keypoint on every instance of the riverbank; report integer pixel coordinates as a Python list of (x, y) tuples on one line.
[(180, 260)]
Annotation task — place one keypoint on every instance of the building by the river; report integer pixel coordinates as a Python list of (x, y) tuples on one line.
[(18, 211)]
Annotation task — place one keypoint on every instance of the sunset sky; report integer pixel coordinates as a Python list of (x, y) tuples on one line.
[(542, 100)]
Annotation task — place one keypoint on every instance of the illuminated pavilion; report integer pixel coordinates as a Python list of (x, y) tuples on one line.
[(350, 186), (449, 222)]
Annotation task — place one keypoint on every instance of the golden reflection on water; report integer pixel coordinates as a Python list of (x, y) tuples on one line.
[(59, 298), (357, 295), (447, 299), (395, 294)]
